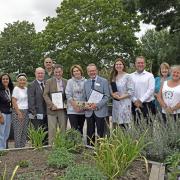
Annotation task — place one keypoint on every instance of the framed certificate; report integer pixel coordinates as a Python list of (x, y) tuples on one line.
[(57, 100), (95, 97)]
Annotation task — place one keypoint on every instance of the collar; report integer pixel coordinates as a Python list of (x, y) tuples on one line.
[(94, 78), (143, 72), (40, 81)]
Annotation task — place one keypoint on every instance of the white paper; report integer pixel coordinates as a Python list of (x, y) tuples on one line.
[(39, 116), (57, 100), (95, 97), (31, 116)]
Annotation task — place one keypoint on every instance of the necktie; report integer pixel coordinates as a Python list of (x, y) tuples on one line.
[(92, 86), (42, 87)]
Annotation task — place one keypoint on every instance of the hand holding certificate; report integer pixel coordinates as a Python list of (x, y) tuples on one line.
[(57, 100)]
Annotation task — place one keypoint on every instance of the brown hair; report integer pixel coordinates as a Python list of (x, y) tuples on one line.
[(114, 71), (78, 67)]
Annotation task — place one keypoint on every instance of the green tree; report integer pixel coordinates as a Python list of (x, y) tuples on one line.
[(162, 13), (18, 50), (94, 31), (158, 47)]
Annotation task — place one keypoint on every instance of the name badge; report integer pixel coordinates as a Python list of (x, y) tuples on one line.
[(97, 84)]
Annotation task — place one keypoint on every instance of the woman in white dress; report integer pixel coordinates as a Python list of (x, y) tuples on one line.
[(121, 90)]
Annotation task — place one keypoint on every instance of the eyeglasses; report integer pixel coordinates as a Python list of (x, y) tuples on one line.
[(48, 62)]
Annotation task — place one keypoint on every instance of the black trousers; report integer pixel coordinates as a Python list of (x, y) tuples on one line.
[(41, 123), (77, 121), (173, 116), (147, 108), (91, 122)]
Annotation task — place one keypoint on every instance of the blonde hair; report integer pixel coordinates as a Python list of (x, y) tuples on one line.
[(164, 65)]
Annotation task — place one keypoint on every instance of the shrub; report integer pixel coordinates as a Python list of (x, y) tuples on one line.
[(36, 136), (71, 139), (82, 172), (163, 139), (24, 163), (60, 158), (115, 154), (173, 162)]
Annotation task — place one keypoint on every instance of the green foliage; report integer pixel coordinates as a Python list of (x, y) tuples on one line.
[(29, 176), (4, 175), (163, 140), (18, 48), (86, 32), (3, 153), (115, 154), (36, 136), (173, 165), (82, 172), (24, 163), (60, 158), (162, 13), (71, 139)]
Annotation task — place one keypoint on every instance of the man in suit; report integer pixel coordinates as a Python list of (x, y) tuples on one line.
[(56, 117), (96, 112), (36, 103)]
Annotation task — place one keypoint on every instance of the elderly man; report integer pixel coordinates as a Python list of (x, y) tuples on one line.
[(57, 116), (144, 83), (98, 111), (48, 64), (37, 105)]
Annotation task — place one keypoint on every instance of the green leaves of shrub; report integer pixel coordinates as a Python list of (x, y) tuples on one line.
[(82, 172), (36, 136), (60, 158), (115, 154), (71, 139)]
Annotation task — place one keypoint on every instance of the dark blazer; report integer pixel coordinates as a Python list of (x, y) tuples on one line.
[(51, 87), (36, 101), (102, 86)]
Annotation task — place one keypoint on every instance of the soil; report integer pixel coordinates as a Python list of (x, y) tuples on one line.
[(39, 170)]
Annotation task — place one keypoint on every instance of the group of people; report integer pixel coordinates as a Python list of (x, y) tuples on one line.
[(136, 94)]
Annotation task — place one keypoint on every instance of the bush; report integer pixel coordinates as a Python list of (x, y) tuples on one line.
[(24, 163), (115, 154), (82, 172), (36, 136), (60, 158), (71, 139), (162, 140)]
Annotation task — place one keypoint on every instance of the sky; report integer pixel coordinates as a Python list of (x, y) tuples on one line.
[(35, 11)]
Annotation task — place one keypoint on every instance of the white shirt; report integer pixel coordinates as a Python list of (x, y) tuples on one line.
[(171, 96), (60, 86), (21, 96), (144, 84)]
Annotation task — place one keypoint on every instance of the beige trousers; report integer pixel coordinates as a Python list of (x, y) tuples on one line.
[(59, 120)]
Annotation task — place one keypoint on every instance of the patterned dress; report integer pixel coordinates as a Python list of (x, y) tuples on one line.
[(121, 110)]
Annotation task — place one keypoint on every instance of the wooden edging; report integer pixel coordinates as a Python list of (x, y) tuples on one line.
[(25, 148), (157, 171)]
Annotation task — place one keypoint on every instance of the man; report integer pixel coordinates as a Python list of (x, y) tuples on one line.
[(144, 84), (37, 105), (57, 117), (48, 64), (96, 112)]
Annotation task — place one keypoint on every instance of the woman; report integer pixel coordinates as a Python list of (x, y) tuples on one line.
[(20, 112), (169, 95), (164, 72), (75, 98), (6, 88), (122, 83)]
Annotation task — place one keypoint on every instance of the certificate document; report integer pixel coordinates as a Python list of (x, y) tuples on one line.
[(95, 97), (57, 100)]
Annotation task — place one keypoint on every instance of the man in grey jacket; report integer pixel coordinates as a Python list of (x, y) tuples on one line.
[(96, 112), (37, 105)]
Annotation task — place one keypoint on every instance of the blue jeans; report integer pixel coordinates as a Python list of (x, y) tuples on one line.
[(5, 130)]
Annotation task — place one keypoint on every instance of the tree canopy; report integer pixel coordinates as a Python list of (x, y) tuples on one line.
[(17, 48), (94, 31)]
